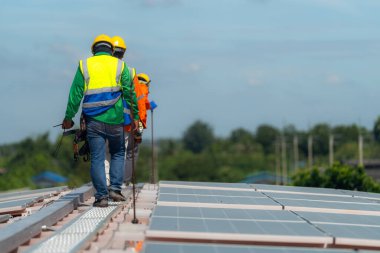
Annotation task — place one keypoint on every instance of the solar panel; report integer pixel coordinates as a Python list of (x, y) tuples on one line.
[(217, 201), (344, 219), (326, 198), (365, 236), (224, 213), (205, 185), (15, 206), (367, 195), (328, 207), (5, 218), (163, 247), (297, 189), (31, 193), (225, 192), (263, 214), (236, 230)]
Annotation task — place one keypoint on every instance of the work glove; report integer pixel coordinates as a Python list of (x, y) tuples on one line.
[(135, 125), (67, 124), (138, 138), (138, 133)]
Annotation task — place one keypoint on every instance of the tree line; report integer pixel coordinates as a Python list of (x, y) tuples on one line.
[(199, 155)]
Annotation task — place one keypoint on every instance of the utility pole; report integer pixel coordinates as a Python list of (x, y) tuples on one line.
[(331, 150), (295, 150), (360, 150), (310, 151), (284, 167), (278, 167)]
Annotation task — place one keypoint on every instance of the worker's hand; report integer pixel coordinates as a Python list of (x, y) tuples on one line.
[(137, 138), (135, 125), (67, 124)]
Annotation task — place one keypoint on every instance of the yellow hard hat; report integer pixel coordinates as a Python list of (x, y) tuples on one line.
[(118, 41), (102, 38), (143, 77)]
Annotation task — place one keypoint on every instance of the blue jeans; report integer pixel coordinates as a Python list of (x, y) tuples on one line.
[(97, 134)]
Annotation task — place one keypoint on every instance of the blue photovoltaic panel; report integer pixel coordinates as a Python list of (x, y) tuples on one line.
[(288, 203), (210, 212), (358, 194), (26, 194), (352, 231), (224, 213), (225, 226), (278, 196), (317, 217), (5, 218), (206, 184), (162, 247), (296, 189), (216, 200), (190, 191), (17, 203)]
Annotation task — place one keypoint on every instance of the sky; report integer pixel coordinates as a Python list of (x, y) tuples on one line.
[(229, 63)]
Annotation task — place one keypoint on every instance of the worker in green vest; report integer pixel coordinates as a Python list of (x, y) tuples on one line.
[(101, 81)]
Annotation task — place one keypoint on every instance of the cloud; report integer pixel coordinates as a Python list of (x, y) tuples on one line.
[(64, 49), (259, 1), (334, 79), (160, 3), (191, 68), (255, 78), (337, 5)]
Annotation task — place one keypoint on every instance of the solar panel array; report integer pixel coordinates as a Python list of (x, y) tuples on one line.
[(18, 201), (221, 217)]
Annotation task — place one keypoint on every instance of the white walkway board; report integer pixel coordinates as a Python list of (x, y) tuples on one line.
[(73, 237)]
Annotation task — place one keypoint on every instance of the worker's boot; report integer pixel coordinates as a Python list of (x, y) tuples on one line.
[(116, 196), (103, 202)]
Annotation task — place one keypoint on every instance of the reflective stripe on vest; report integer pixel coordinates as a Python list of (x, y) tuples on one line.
[(132, 72), (101, 103), (140, 97), (118, 70), (102, 75), (86, 76)]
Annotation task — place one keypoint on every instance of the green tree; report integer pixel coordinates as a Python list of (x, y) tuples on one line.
[(198, 137), (308, 178), (338, 176), (376, 130), (243, 141), (266, 135), (320, 133), (344, 134), (241, 135), (347, 151)]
